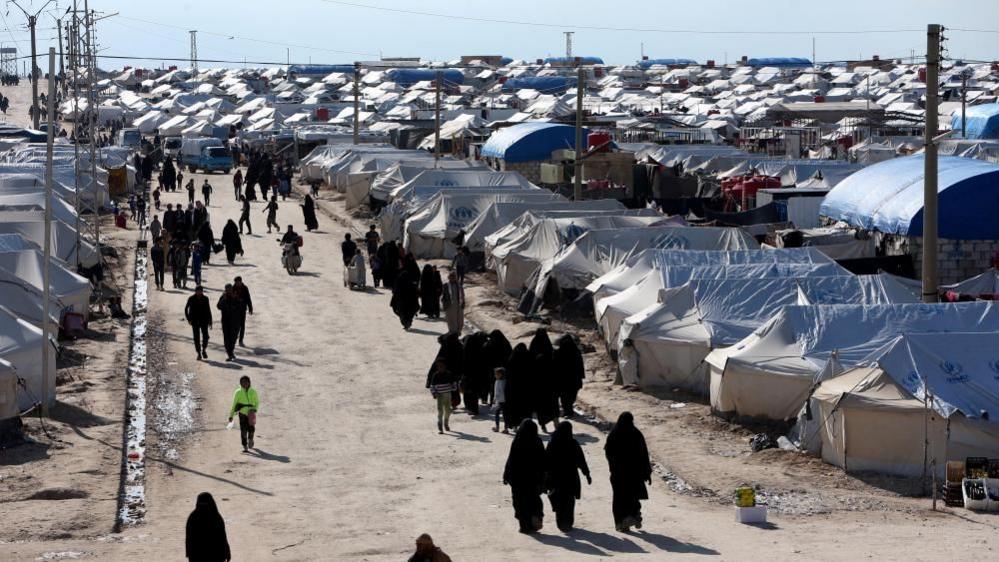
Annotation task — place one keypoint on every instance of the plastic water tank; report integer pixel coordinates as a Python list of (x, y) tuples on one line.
[(322, 114)]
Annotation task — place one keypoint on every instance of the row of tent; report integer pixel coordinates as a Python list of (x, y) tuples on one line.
[(22, 261), (790, 335)]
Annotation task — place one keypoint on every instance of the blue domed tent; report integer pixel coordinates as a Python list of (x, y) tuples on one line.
[(983, 121), (550, 85), (646, 64), (888, 197), (528, 142), (780, 62)]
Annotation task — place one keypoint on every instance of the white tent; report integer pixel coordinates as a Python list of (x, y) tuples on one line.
[(517, 259), (429, 182), (20, 345), (769, 374), (63, 239), (8, 391), (405, 170), (29, 204), (69, 288), (598, 251), (428, 231), (877, 416), (610, 311), (636, 268), (502, 213), (673, 336)]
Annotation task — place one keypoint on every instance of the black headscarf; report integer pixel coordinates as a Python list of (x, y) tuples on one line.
[(568, 365), (525, 465), (478, 367), (205, 538), (541, 344), (627, 454), (499, 349), (544, 387)]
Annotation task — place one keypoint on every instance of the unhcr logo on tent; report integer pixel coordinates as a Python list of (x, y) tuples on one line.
[(670, 241), (463, 214), (446, 183), (954, 371), (913, 382)]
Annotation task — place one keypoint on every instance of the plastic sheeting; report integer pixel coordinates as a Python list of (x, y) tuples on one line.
[(406, 77), (527, 142), (20, 343), (64, 239), (888, 197), (502, 213), (983, 121), (405, 170), (67, 287), (429, 182), (551, 85), (769, 374)]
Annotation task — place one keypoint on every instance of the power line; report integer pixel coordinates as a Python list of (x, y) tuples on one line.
[(252, 39), (624, 29)]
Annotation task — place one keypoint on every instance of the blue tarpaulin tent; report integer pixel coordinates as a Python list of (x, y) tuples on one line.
[(666, 62), (528, 142), (983, 121), (780, 62), (888, 197), (543, 84), (409, 76)]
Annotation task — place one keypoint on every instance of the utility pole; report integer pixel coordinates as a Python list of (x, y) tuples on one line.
[(577, 168), (287, 55), (357, 103), (814, 64), (46, 271), (73, 38), (930, 196), (568, 43), (62, 67), (32, 20), (437, 118), (964, 103), (194, 51)]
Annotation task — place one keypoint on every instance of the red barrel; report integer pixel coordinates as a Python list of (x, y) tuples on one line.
[(599, 138), (922, 74), (322, 114), (503, 79), (820, 99)]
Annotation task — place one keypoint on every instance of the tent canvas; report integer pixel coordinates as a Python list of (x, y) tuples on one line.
[(63, 239), (68, 287), (673, 336), (874, 417), (429, 182), (20, 345), (770, 372), (502, 213), (8, 391)]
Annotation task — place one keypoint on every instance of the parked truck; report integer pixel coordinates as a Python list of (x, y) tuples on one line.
[(206, 154)]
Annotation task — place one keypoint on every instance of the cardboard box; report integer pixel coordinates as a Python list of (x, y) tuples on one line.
[(755, 514)]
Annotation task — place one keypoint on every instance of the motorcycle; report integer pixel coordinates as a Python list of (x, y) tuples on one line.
[(291, 258)]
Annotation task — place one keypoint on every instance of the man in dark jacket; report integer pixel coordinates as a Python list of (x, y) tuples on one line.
[(199, 315), (169, 219), (159, 262), (245, 305)]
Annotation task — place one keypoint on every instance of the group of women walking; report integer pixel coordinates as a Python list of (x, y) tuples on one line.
[(532, 470), (538, 381)]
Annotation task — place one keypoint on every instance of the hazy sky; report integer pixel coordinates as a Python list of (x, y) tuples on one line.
[(324, 31)]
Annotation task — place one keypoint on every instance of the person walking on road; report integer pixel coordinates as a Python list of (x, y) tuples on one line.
[(405, 298), (158, 258), (197, 256), (543, 382), (206, 192), (569, 372), (178, 257), (372, 240), (190, 191), (459, 264), (140, 210), (525, 474), (271, 210), (246, 305), (155, 227), (245, 403), (205, 539), (309, 214), (564, 460), (499, 400), (442, 383), (230, 307), (237, 184), (630, 470), (244, 216), (348, 248), (453, 299), (231, 241), (198, 313), (430, 292), (426, 551)]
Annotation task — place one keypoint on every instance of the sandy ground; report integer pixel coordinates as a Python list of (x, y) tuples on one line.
[(349, 465)]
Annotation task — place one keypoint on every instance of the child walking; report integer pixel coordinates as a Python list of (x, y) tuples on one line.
[(499, 399)]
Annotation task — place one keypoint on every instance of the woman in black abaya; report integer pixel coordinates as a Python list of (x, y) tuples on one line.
[(478, 374), (309, 212), (543, 394), (430, 292), (205, 539), (569, 372), (524, 473), (518, 385), (630, 470), (405, 298), (564, 461)]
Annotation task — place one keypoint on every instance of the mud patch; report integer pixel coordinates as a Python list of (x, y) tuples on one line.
[(57, 494)]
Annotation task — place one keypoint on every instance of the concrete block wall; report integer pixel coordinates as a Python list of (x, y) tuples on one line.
[(530, 170), (958, 259)]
